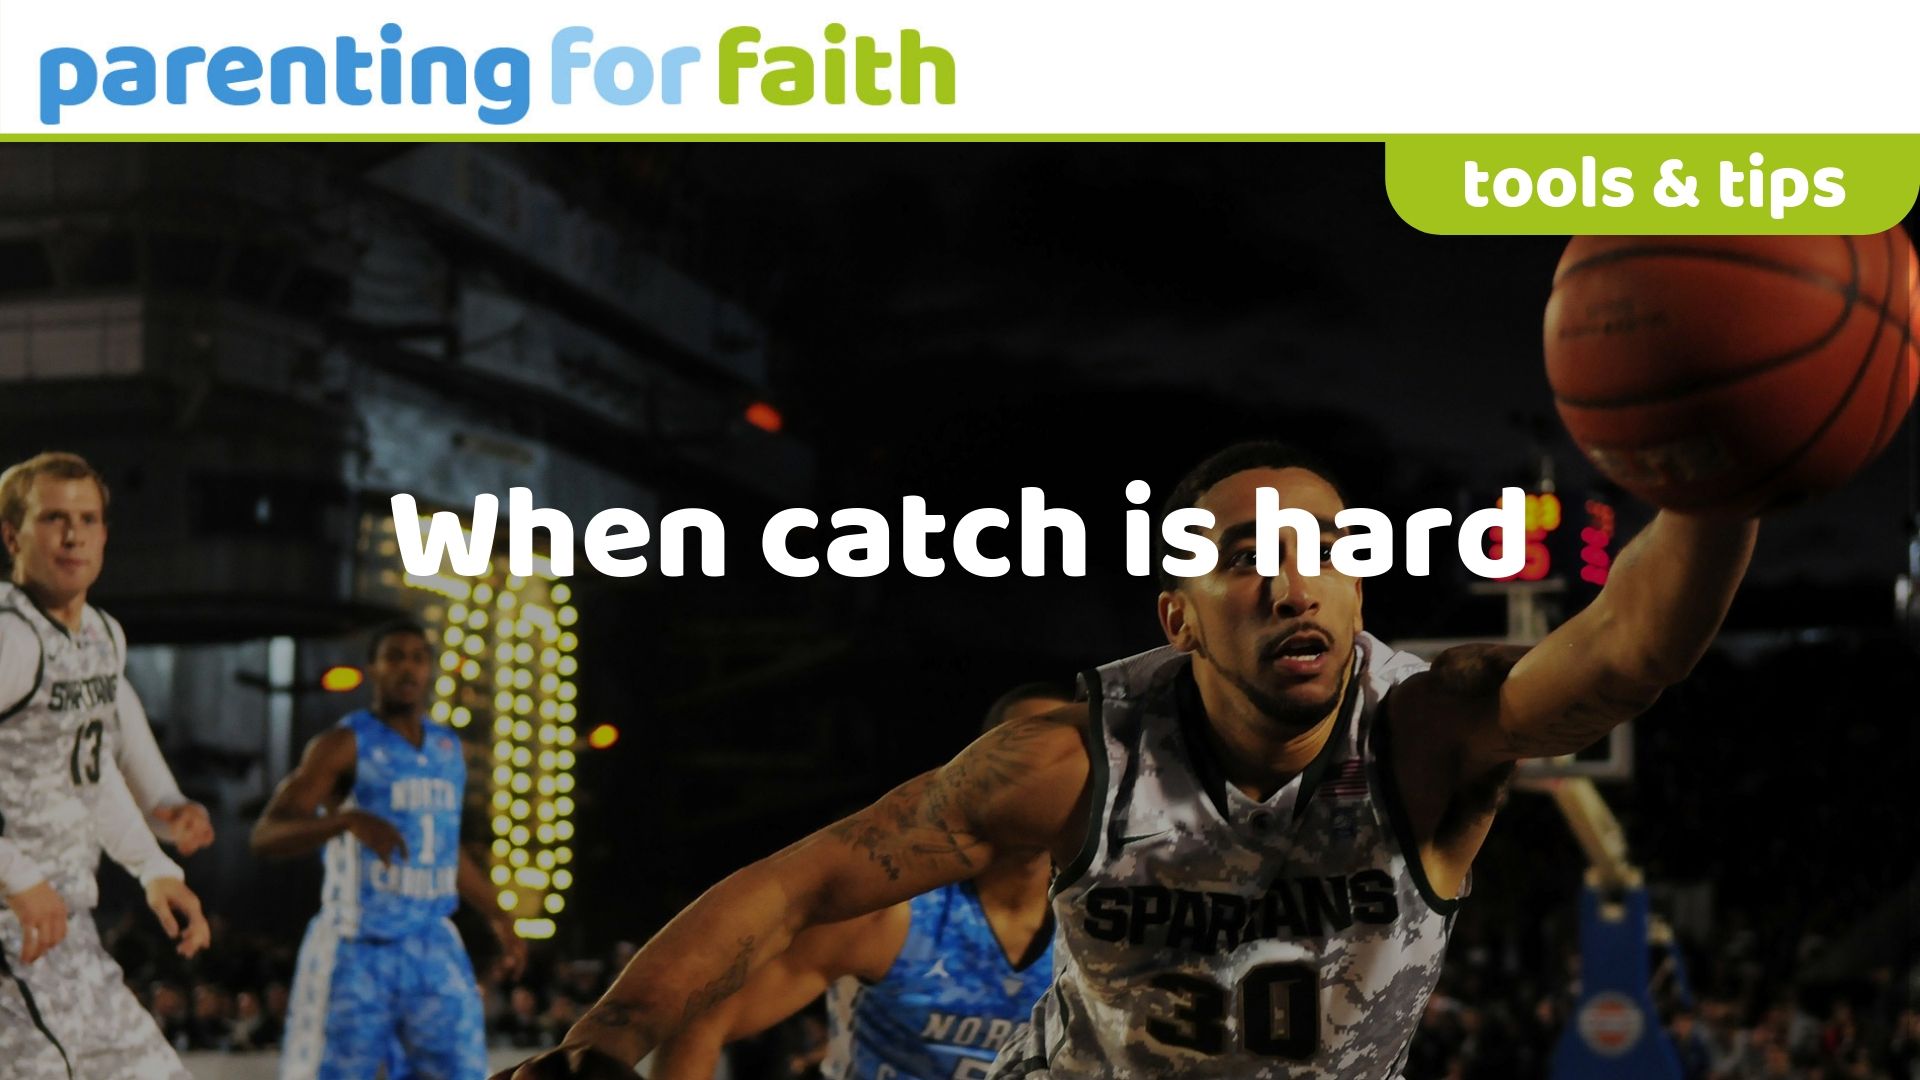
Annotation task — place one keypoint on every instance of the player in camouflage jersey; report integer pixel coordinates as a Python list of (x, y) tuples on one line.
[(1261, 831), (931, 989), (174, 818), (65, 1010)]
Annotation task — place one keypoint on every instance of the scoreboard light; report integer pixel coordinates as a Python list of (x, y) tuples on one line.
[(1596, 543), (341, 679), (1542, 517), (1543, 512)]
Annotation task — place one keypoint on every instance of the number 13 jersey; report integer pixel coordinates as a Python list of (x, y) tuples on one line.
[(1205, 934), (56, 740)]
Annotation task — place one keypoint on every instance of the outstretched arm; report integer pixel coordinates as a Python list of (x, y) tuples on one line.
[(305, 813), (1483, 707), (1021, 786), (865, 946), (1663, 603)]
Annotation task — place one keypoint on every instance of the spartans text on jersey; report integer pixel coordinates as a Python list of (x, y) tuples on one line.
[(1215, 922), (83, 693)]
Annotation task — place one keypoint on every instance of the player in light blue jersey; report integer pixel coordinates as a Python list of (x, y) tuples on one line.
[(383, 978), (930, 989)]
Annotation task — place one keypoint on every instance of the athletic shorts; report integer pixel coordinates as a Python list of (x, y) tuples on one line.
[(70, 1015), (359, 1004)]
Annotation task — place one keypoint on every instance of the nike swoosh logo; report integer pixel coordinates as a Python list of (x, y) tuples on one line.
[(1125, 840)]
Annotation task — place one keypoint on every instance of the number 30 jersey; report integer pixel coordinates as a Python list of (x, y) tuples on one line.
[(1205, 934), (419, 790)]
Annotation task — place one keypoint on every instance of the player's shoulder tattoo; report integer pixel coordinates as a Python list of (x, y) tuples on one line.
[(1019, 745)]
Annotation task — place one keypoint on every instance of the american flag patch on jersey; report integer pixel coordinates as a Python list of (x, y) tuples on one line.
[(1349, 782)]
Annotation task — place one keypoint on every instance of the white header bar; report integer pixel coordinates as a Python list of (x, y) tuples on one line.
[(592, 68)]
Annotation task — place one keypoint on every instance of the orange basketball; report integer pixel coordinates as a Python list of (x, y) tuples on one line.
[(1733, 374)]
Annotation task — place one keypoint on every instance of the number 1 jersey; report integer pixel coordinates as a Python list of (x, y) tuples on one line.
[(419, 790), (1205, 934)]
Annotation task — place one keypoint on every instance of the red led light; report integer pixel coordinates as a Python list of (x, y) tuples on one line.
[(764, 416)]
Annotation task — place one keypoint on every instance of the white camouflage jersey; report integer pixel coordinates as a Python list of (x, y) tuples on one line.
[(1203, 934), (55, 742)]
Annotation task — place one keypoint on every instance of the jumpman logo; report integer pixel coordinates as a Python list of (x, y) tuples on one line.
[(938, 970)]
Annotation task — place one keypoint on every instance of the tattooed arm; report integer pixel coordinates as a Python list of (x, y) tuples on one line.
[(1662, 605), (865, 947), (1021, 786), (1459, 728)]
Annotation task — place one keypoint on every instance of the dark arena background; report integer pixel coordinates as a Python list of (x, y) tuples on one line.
[(259, 345)]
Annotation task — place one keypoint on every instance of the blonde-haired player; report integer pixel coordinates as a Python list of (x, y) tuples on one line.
[(65, 1010)]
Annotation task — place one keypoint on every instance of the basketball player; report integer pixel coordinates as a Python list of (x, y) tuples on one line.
[(174, 818), (382, 965), (925, 990), (1263, 829), (65, 1010)]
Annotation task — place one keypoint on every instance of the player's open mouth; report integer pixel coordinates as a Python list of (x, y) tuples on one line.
[(1304, 653)]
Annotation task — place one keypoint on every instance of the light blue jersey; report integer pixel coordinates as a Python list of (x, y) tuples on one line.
[(383, 979), (419, 790), (951, 1000)]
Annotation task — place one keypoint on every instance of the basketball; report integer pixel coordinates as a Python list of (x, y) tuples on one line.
[(1733, 374)]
